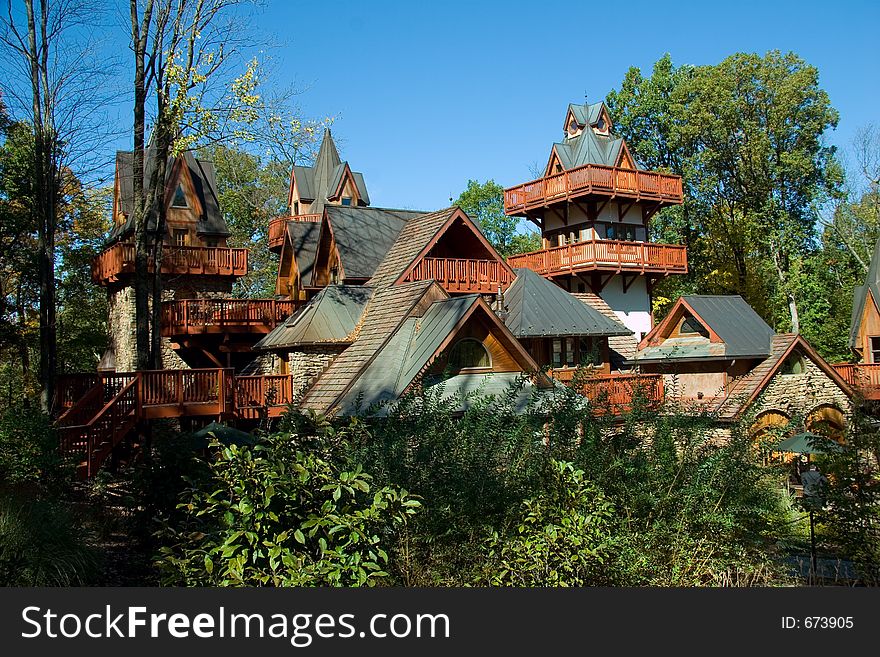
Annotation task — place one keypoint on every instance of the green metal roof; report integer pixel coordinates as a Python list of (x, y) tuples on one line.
[(537, 307), (317, 182), (329, 318)]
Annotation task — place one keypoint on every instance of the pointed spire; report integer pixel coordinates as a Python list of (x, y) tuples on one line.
[(325, 165)]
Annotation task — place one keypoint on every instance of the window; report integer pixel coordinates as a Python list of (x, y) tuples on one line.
[(875, 349), (690, 326), (557, 352), (179, 198), (469, 354), (600, 124), (181, 237), (295, 208), (626, 232), (346, 200), (211, 242), (590, 352), (569, 353), (794, 364)]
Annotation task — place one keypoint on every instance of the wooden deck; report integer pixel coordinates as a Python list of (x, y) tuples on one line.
[(605, 255), (614, 393), (200, 316), (118, 260), (593, 180), (278, 227), (463, 275), (863, 377), (96, 411)]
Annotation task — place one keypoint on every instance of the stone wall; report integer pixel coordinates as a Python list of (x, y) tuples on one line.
[(264, 364), (121, 320), (797, 395), (308, 362)]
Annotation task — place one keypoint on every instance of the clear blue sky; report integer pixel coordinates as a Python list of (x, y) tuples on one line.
[(429, 94)]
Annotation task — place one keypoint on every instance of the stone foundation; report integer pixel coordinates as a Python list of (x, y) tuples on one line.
[(797, 395)]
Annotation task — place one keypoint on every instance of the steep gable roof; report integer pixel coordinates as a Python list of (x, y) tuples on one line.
[(861, 295), (305, 237), (736, 331), (385, 312), (200, 173), (318, 183), (747, 388), (364, 235), (329, 318), (538, 307)]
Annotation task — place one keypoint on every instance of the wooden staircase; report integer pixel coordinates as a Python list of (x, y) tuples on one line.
[(93, 427)]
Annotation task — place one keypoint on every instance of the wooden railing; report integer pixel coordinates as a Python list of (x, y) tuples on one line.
[(593, 179), (607, 255), (192, 316), (219, 261), (615, 393), (258, 395), (864, 377), (278, 227), (468, 275)]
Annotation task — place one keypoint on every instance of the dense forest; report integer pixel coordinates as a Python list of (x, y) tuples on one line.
[(558, 497)]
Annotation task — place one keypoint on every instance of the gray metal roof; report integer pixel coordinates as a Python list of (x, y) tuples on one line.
[(329, 318), (742, 332), (538, 307), (406, 354), (203, 175), (305, 236), (861, 295), (364, 235)]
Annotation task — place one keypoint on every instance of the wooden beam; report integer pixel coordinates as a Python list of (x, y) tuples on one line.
[(632, 279)]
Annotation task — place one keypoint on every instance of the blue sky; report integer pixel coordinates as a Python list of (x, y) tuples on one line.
[(428, 95)]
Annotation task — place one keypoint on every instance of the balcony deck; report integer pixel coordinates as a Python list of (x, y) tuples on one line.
[(201, 316), (605, 255), (614, 393), (278, 226), (593, 179), (463, 275), (118, 260), (863, 377)]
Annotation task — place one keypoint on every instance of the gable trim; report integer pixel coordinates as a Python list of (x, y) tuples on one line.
[(180, 175), (662, 330)]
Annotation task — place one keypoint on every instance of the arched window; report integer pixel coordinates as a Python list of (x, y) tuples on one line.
[(469, 354), (794, 364)]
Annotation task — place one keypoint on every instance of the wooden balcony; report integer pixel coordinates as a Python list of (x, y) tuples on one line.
[(463, 275), (605, 255), (593, 179), (118, 260), (615, 393), (863, 377), (201, 316), (278, 227)]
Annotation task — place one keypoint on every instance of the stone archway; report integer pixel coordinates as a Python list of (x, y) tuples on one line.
[(826, 420)]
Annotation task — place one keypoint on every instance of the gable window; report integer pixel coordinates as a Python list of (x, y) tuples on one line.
[(469, 353), (181, 237), (690, 326), (295, 208), (346, 200), (179, 200), (875, 349), (794, 364)]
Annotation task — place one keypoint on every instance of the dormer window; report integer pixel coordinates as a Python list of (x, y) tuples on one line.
[(600, 124), (691, 327), (346, 200), (794, 364), (179, 200), (468, 354)]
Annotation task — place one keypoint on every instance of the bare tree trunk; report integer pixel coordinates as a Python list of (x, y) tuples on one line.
[(23, 352), (140, 29), (158, 211), (789, 295)]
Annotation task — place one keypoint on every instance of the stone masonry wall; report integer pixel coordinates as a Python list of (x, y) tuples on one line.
[(308, 363), (799, 394), (121, 320)]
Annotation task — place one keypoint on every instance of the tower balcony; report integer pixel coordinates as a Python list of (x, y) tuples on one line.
[(593, 180), (613, 256), (278, 227), (463, 275), (863, 377), (118, 260), (222, 316)]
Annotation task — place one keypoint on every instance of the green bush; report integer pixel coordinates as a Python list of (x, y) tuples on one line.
[(274, 515)]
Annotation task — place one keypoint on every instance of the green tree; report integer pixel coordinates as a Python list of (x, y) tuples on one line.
[(484, 202)]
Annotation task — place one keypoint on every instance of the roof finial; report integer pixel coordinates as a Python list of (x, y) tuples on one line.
[(586, 100)]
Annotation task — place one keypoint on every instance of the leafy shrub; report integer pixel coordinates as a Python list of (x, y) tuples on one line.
[(274, 515), (561, 538)]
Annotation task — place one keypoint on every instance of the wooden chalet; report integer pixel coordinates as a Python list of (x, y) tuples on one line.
[(864, 338), (593, 206), (716, 355)]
